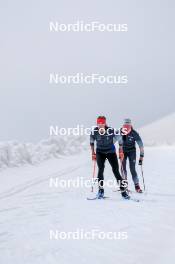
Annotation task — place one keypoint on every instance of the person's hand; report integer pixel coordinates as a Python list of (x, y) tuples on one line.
[(121, 155), (93, 156), (141, 160)]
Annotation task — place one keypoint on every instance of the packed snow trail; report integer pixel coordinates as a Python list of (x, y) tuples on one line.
[(30, 208)]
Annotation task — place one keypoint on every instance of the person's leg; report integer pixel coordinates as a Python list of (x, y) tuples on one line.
[(112, 158), (132, 165), (123, 167), (101, 165)]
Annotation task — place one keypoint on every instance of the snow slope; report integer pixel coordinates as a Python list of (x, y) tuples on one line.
[(14, 153), (160, 132), (30, 208)]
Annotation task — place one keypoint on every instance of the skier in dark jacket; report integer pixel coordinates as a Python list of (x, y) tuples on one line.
[(129, 151), (105, 137)]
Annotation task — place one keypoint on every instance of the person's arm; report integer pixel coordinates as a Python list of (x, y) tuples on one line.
[(141, 146), (92, 149), (121, 153), (92, 141)]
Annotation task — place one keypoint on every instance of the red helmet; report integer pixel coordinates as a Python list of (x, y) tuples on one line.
[(101, 120)]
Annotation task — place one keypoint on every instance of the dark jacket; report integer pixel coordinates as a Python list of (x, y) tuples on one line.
[(128, 142), (105, 143)]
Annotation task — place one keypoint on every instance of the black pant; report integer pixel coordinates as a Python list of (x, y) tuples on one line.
[(112, 158), (131, 155)]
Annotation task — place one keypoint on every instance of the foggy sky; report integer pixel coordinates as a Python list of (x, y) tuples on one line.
[(29, 53)]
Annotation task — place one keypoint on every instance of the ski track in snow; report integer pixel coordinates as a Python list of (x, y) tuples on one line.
[(29, 208)]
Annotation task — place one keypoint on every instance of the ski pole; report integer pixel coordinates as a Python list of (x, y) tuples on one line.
[(93, 176), (143, 177)]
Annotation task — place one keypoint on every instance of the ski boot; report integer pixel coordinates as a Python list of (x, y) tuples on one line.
[(125, 195), (100, 194), (138, 189)]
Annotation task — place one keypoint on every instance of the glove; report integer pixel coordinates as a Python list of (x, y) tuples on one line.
[(93, 156), (121, 155), (141, 160)]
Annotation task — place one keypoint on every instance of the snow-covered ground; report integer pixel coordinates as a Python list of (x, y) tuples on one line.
[(30, 209)]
